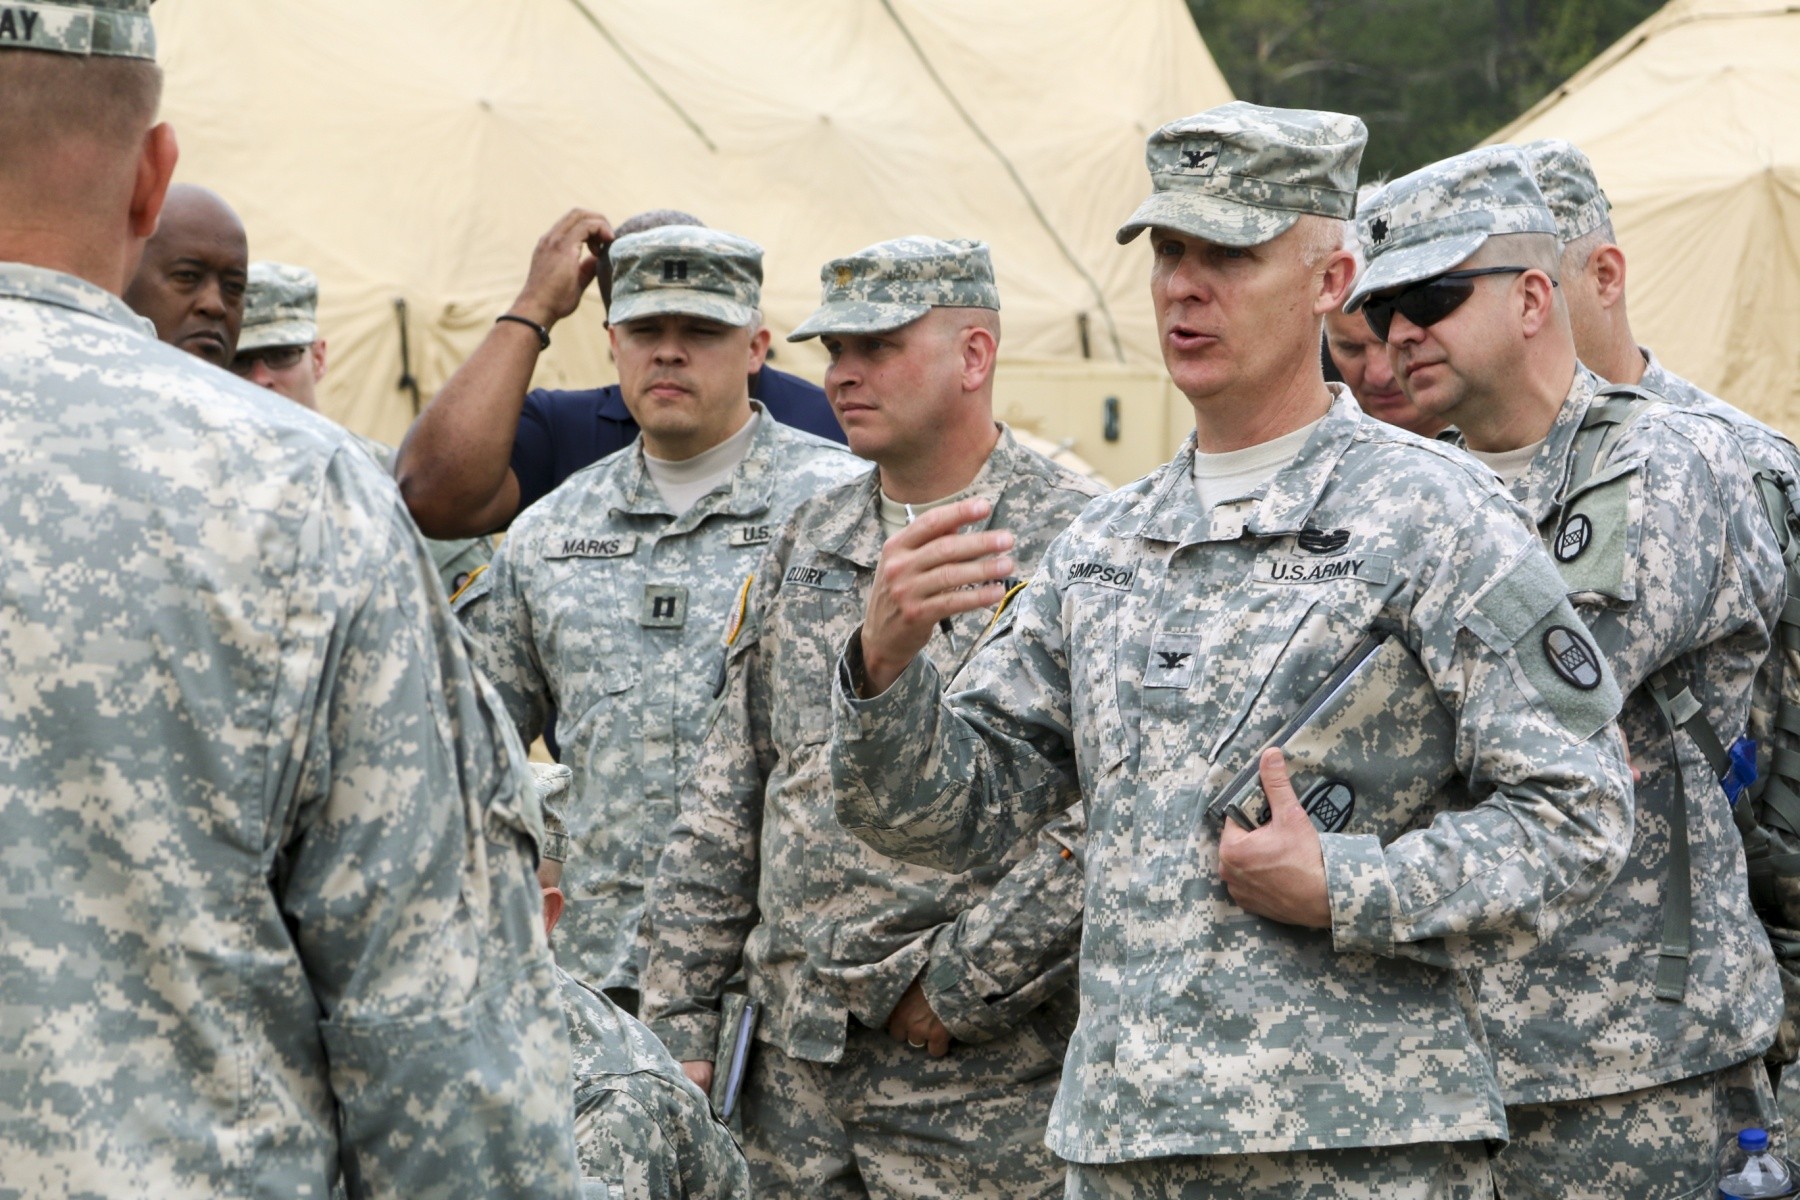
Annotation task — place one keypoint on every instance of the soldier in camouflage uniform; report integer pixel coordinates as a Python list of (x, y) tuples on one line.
[(280, 349), (838, 941), (1278, 1013), (643, 1131), (608, 596), (268, 838), (1593, 286), (1623, 1054)]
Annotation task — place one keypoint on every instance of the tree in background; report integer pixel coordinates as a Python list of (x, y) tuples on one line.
[(1430, 77)]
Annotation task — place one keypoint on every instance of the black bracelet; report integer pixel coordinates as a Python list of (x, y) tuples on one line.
[(543, 334)]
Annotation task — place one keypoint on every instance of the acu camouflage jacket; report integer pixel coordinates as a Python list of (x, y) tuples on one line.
[(1152, 655)]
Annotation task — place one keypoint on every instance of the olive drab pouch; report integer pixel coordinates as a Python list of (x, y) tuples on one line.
[(1370, 751)]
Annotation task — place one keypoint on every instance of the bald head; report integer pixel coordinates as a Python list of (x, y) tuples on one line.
[(191, 281)]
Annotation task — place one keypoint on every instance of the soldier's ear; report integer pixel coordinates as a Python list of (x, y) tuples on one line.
[(155, 168), (1607, 266), (759, 348)]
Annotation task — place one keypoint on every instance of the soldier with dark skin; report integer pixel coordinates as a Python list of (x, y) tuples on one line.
[(191, 282)]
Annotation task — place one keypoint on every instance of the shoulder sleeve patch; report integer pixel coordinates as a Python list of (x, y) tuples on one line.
[(1597, 537), (1526, 620), (470, 591)]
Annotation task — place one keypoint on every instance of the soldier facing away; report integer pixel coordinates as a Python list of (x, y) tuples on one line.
[(279, 348), (971, 976), (1276, 1013), (608, 595), (643, 1130), (268, 842), (1630, 1042)]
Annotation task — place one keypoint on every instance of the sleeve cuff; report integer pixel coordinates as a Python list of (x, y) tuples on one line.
[(688, 1037), (1360, 893), (956, 996)]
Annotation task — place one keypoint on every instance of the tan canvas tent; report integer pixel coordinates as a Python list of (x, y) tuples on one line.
[(1690, 122), (412, 151)]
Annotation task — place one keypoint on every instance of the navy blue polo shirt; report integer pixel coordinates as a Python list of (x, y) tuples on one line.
[(560, 432)]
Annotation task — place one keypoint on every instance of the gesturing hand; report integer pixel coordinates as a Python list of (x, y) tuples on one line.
[(913, 1022), (1277, 871), (562, 265), (928, 573)]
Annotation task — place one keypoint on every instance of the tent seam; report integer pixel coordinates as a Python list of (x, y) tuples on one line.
[(631, 61), (968, 119)]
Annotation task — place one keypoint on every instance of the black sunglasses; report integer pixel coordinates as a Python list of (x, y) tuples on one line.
[(1430, 300), (278, 358)]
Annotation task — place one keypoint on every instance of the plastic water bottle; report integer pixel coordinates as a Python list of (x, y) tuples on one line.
[(1747, 1171)]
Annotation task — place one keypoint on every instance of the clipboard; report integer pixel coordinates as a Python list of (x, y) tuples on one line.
[(1372, 749), (731, 1061)]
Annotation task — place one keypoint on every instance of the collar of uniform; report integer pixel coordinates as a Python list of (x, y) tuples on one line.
[(1656, 376), (1172, 513), (44, 286), (1540, 488), (853, 533), (752, 482)]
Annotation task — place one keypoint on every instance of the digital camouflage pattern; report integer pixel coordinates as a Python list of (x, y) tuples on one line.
[(1427, 1171), (641, 1126), (1151, 656), (1566, 177), (1241, 174), (268, 839), (894, 283), (1774, 458), (603, 603), (688, 270), (1667, 556), (758, 870), (113, 28), (889, 1120), (1429, 222), (281, 307), (1658, 1143), (458, 560)]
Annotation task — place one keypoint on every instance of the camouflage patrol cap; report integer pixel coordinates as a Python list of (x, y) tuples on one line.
[(890, 284), (113, 28), (552, 783), (1425, 223), (280, 307), (1566, 178), (685, 269), (1241, 174)]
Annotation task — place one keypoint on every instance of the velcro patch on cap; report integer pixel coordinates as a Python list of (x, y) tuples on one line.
[(1196, 160)]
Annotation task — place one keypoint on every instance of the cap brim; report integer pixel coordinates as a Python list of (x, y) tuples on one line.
[(662, 302), (277, 333), (857, 316), (1203, 215), (1397, 268)]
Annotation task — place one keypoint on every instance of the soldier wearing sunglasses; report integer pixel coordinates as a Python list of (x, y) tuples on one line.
[(279, 347), (1627, 1044)]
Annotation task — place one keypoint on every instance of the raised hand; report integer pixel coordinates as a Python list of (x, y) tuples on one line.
[(929, 573)]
